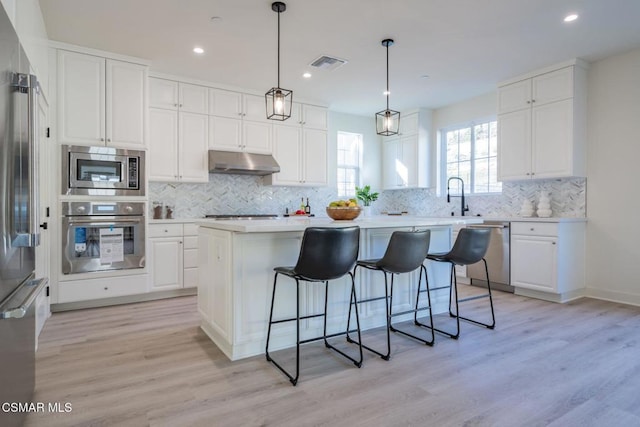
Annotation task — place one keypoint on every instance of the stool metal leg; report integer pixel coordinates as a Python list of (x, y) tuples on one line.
[(415, 313), (453, 298), (415, 316), (493, 316), (358, 363), (353, 301), (292, 379)]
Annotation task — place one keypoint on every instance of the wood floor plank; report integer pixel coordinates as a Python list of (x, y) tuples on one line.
[(149, 364)]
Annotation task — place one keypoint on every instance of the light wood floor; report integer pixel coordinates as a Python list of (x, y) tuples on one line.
[(576, 364)]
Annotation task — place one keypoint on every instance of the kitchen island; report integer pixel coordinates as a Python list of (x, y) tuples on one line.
[(235, 278)]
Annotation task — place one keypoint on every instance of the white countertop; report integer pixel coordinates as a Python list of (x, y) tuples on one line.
[(299, 224)]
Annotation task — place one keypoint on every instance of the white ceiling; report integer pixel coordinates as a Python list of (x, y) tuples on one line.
[(464, 46)]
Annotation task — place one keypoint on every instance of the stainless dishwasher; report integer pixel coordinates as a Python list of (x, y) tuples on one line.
[(498, 258)]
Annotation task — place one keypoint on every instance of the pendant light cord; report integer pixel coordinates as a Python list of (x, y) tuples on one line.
[(387, 76), (279, 48)]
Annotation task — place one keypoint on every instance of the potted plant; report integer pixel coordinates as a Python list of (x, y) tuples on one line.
[(367, 197)]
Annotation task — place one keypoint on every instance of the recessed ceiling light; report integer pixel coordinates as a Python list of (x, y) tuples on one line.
[(306, 75), (198, 50), (570, 18)]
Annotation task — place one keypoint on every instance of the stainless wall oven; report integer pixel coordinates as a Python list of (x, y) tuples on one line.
[(102, 171), (102, 236)]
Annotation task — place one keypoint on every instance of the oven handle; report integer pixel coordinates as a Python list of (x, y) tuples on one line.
[(119, 223)]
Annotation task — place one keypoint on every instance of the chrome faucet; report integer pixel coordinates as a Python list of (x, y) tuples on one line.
[(463, 208)]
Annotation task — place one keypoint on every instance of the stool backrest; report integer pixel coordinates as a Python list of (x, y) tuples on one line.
[(328, 253), (471, 245), (406, 251)]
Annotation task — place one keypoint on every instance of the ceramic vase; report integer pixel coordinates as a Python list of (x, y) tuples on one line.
[(544, 206)]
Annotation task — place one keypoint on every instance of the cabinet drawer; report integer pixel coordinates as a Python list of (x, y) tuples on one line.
[(107, 287), (165, 230), (191, 242), (190, 229), (534, 228)]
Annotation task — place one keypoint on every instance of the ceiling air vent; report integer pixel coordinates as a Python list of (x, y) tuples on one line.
[(328, 63)]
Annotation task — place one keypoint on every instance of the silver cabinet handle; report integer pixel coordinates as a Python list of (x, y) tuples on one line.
[(102, 139)]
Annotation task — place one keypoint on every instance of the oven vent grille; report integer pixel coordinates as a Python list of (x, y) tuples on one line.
[(328, 63)]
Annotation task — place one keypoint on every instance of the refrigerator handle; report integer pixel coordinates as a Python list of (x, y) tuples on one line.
[(19, 309), (34, 158)]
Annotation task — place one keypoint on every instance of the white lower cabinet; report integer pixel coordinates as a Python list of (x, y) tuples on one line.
[(548, 259), (172, 256)]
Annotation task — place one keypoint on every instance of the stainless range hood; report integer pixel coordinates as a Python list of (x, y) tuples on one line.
[(242, 163)]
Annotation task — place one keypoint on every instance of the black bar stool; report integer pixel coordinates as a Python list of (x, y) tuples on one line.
[(470, 247), (405, 253), (325, 254)]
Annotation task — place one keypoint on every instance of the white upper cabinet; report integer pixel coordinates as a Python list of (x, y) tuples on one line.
[(237, 122), (101, 101), (179, 132), (172, 95), (310, 116), (542, 125), (405, 161), (300, 147)]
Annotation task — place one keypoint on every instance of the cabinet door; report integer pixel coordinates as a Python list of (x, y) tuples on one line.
[(314, 165), (296, 116), (552, 135), (409, 124), (390, 163), (225, 133), (534, 263), (256, 137), (514, 97), (254, 108), (163, 145), (514, 145), (553, 86), (194, 144), (163, 94), (126, 104), (81, 99), (165, 256), (225, 103), (194, 99), (313, 117), (287, 150), (408, 166)]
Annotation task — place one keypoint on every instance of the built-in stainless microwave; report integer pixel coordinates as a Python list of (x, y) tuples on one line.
[(102, 171)]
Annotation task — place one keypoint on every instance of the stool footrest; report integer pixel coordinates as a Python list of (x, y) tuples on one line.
[(471, 298), (368, 300), (337, 334), (293, 319), (413, 310)]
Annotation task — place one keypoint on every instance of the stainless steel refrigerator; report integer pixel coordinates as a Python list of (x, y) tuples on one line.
[(18, 224)]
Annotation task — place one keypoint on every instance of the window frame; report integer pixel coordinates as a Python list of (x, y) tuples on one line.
[(357, 168), (442, 164)]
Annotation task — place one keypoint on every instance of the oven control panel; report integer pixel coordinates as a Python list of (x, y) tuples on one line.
[(103, 208)]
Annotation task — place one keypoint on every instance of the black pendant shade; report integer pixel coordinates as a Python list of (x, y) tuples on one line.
[(278, 100), (387, 121)]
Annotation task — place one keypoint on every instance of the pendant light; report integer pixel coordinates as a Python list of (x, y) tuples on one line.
[(278, 100), (387, 121)]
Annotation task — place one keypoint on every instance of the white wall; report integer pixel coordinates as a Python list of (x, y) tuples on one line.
[(32, 32), (613, 230), (365, 125)]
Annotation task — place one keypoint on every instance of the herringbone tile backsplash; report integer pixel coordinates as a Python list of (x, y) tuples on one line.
[(243, 194)]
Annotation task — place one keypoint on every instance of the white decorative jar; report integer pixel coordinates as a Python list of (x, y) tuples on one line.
[(544, 206), (526, 210)]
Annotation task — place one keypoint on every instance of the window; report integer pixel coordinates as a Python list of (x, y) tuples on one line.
[(349, 158), (471, 152)]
